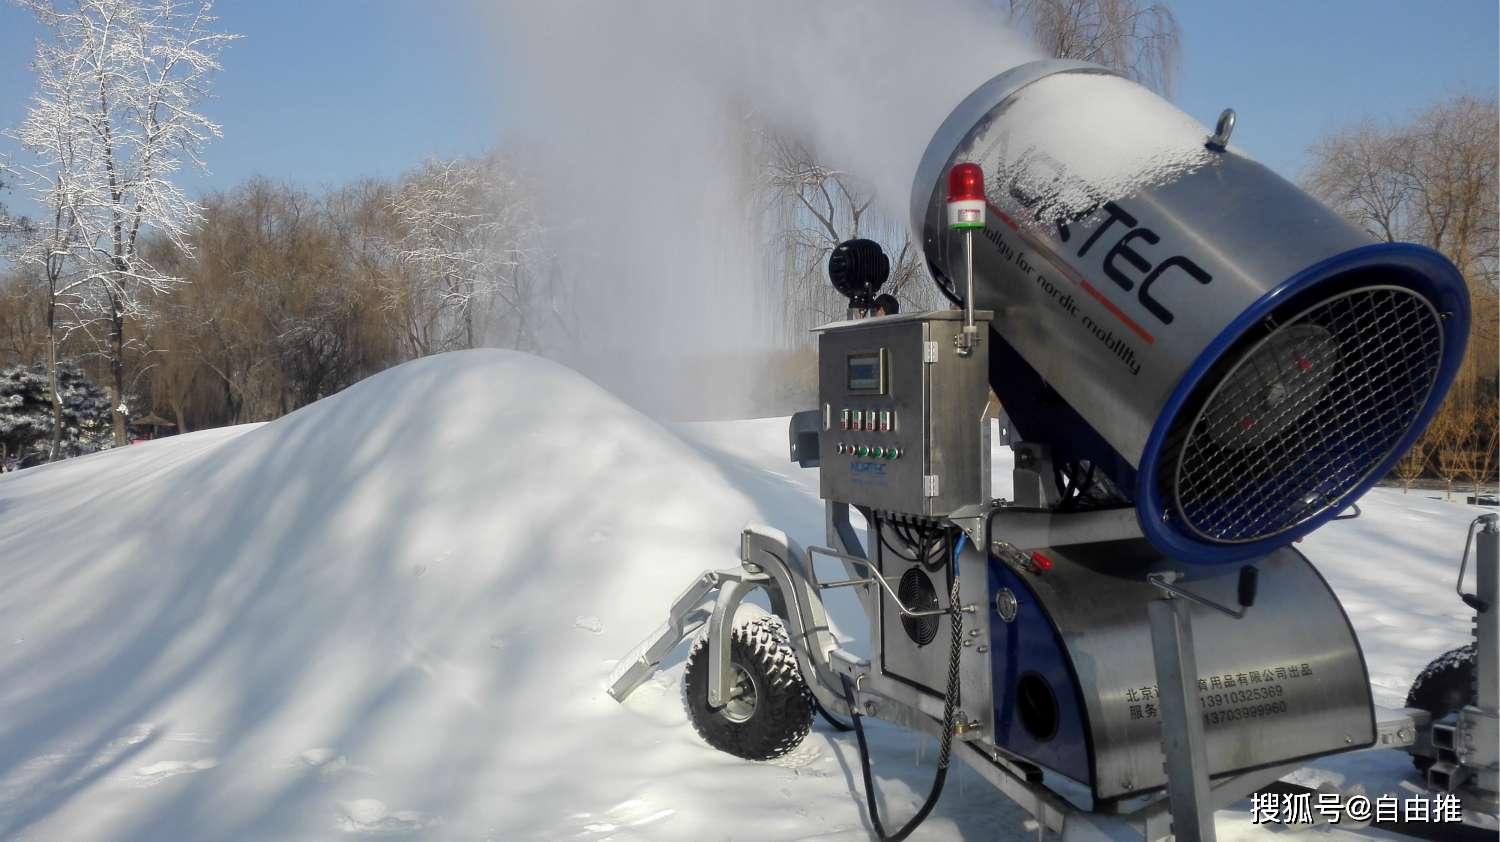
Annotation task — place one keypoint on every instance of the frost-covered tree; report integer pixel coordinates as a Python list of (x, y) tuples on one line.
[(55, 132), (115, 116), (26, 414), (8, 224), (466, 235)]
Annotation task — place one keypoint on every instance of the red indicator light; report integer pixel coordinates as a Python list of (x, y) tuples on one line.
[(1040, 562), (965, 182)]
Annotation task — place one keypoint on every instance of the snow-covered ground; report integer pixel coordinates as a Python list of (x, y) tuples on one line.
[(393, 612)]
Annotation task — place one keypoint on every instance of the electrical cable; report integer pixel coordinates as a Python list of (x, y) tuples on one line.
[(950, 294), (919, 548), (945, 744), (928, 542), (1090, 481), (1077, 492), (1064, 482), (879, 531), (928, 555)]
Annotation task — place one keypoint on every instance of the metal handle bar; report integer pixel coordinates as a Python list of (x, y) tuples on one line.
[(1469, 599), (1161, 581), (812, 574)]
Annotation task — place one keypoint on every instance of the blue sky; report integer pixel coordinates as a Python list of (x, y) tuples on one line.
[(324, 91)]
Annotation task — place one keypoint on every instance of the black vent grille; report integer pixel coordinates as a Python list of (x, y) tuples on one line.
[(917, 594)]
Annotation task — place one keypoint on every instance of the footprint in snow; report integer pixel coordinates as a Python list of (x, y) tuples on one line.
[(370, 816), (329, 762), (114, 750), (625, 815), (158, 772)]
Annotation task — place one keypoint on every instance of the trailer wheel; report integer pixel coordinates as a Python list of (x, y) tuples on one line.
[(771, 709), (1445, 684)]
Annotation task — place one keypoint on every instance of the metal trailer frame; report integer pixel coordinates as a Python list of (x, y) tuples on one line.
[(1464, 743)]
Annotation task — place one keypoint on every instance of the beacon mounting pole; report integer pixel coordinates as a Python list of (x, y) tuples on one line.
[(966, 212)]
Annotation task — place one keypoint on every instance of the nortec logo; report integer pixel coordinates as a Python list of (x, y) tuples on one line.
[(876, 468)]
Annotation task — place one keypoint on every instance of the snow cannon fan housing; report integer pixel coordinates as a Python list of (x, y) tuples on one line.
[(858, 269), (1243, 361)]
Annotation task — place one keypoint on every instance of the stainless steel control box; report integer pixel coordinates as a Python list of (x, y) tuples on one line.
[(904, 413)]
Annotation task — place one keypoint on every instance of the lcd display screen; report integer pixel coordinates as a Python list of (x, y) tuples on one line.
[(865, 373)]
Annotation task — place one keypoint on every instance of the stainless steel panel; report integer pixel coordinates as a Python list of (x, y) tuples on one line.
[(1071, 302), (922, 666), (976, 699), (938, 409), (1287, 681)]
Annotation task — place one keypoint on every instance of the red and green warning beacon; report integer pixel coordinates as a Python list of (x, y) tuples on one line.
[(965, 197), (965, 213)]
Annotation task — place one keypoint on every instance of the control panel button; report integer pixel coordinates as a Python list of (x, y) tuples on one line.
[(844, 420)]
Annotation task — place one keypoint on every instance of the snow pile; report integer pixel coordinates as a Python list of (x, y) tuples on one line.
[(393, 612), (389, 612)]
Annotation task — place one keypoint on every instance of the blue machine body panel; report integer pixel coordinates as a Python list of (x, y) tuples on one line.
[(1030, 645)]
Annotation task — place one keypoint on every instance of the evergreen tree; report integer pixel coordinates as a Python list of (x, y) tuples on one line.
[(26, 414)]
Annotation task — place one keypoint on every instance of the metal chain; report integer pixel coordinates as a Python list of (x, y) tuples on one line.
[(950, 701)]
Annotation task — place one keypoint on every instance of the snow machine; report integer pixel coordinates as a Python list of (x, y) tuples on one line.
[(1200, 364)]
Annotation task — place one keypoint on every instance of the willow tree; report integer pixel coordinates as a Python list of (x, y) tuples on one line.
[(1140, 39)]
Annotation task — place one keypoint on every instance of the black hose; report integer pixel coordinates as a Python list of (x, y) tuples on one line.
[(945, 744), (948, 292)]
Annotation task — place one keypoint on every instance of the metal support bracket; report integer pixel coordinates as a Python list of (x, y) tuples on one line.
[(1182, 728), (685, 618), (720, 637), (842, 537)]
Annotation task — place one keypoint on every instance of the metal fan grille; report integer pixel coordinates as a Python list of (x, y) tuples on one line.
[(1307, 413)]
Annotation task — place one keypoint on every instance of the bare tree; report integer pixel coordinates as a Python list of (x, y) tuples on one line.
[(23, 318), (1433, 180), (1482, 467), (120, 80), (1449, 444), (1413, 464), (1142, 41), (466, 234), (806, 209)]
